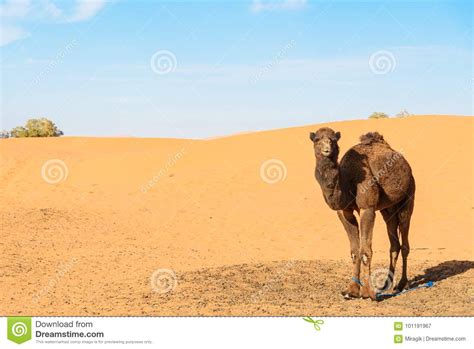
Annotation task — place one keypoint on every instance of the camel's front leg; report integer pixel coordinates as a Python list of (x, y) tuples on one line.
[(349, 221), (367, 220)]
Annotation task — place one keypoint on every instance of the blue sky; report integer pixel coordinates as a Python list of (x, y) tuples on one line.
[(207, 68)]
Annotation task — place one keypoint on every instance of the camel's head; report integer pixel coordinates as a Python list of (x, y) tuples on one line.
[(325, 143)]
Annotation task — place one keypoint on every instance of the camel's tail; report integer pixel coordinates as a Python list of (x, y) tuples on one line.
[(372, 137)]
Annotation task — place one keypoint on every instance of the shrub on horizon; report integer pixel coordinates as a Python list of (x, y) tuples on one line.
[(19, 132), (378, 115), (37, 128), (403, 114)]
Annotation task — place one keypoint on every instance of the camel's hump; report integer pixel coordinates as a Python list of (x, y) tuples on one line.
[(372, 137)]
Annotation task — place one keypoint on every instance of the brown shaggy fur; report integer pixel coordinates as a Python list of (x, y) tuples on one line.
[(370, 177), (372, 137)]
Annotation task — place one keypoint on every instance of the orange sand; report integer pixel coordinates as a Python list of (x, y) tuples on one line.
[(130, 206)]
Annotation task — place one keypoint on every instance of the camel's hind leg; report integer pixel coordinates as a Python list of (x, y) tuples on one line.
[(390, 216), (349, 221), (404, 215), (367, 220)]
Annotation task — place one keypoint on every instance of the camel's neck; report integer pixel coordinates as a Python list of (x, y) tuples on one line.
[(327, 175)]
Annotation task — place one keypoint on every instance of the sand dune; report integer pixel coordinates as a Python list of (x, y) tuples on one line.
[(89, 243)]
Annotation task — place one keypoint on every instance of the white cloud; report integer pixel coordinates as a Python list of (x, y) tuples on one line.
[(86, 9), (15, 8), (51, 9), (13, 12), (32, 61), (9, 34), (265, 5)]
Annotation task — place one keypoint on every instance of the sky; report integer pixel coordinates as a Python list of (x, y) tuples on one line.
[(208, 68)]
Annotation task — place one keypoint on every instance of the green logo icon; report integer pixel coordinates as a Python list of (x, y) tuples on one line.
[(316, 323), (397, 339), (398, 326), (19, 329)]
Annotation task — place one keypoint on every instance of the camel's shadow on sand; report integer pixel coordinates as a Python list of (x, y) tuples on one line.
[(440, 272)]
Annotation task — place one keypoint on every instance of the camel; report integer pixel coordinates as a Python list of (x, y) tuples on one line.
[(370, 177)]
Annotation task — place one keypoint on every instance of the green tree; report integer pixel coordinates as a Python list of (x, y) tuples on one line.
[(34, 128), (378, 115), (42, 128)]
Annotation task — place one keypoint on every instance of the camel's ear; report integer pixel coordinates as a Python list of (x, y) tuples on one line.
[(338, 135), (312, 136)]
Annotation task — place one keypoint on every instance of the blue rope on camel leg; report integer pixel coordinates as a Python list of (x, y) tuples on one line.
[(357, 281)]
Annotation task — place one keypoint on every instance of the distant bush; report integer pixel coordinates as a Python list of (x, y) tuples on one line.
[(37, 128), (19, 132), (403, 114), (4, 134), (378, 115)]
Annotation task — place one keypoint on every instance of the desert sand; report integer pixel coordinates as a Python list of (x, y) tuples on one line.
[(86, 239)]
